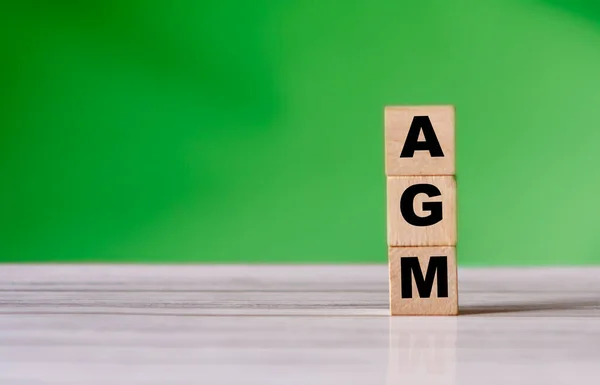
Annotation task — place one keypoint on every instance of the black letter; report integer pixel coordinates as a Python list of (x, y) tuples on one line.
[(430, 143), (435, 208), (409, 266)]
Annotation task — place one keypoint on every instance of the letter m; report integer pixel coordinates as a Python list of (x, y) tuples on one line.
[(409, 267)]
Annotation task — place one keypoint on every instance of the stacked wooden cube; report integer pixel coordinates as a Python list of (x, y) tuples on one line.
[(421, 209)]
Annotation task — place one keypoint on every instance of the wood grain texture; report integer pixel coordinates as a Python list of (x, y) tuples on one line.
[(402, 233), (397, 123), (257, 325), (416, 305)]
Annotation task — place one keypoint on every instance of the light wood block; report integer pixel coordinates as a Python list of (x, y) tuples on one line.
[(433, 132), (423, 280), (421, 211)]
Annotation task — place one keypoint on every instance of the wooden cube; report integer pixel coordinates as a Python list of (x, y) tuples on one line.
[(419, 140), (421, 211), (423, 280)]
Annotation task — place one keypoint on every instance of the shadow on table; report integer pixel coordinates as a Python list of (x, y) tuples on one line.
[(559, 305)]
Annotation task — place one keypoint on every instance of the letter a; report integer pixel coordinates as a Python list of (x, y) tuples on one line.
[(412, 143)]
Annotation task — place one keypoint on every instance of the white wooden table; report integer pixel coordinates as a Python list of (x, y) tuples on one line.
[(302, 325)]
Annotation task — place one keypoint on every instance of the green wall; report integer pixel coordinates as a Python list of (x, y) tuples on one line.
[(252, 131)]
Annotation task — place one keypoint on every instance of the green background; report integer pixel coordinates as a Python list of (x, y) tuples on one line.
[(252, 131)]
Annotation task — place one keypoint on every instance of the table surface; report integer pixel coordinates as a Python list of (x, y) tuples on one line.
[(305, 325)]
